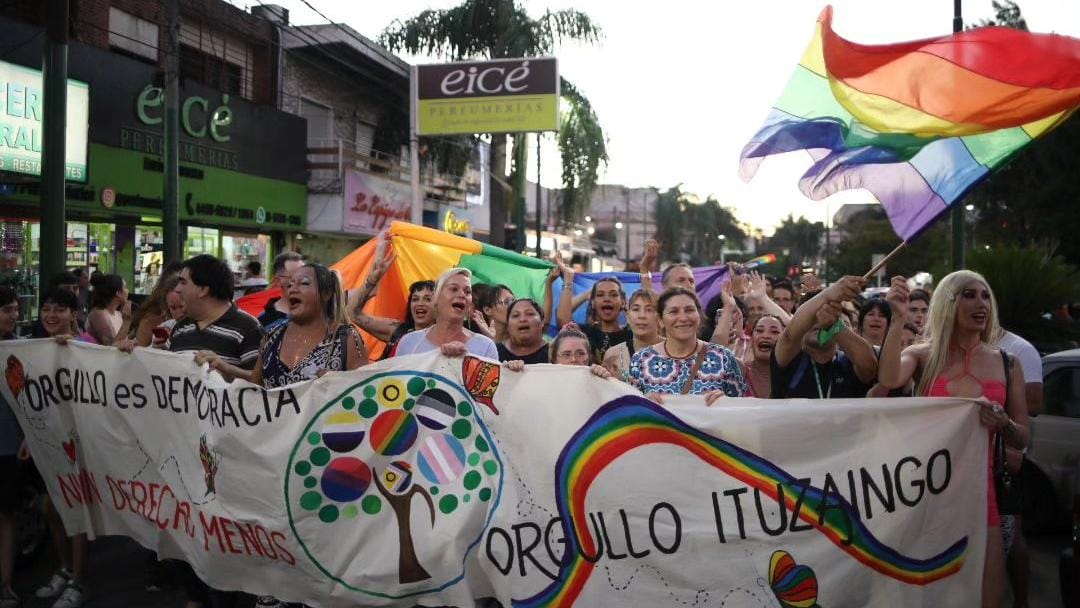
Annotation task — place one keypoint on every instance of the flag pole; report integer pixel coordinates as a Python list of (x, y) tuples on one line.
[(958, 218), (884, 260)]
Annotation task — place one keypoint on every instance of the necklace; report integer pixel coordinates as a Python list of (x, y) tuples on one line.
[(301, 342), (817, 379), (674, 356)]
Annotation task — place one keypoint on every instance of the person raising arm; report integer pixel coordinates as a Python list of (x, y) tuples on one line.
[(802, 366)]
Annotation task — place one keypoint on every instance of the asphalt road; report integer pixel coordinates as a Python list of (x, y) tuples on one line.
[(118, 576)]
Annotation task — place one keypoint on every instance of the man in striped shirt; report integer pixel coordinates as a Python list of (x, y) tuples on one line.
[(215, 329), (228, 339)]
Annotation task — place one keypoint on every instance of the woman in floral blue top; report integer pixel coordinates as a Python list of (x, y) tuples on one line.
[(667, 368)]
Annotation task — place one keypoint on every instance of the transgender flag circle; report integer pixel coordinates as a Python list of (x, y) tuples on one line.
[(442, 459)]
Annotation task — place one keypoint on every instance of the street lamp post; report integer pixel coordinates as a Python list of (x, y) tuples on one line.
[(723, 247)]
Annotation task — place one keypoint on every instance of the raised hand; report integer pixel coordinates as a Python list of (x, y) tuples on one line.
[(828, 314), (898, 297), (810, 282), (481, 324), (845, 289), (758, 286), (384, 256), (648, 260)]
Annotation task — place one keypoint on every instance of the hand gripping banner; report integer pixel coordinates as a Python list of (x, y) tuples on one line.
[(438, 481)]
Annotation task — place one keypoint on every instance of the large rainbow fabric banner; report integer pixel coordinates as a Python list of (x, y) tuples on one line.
[(425, 253), (917, 124), (434, 481)]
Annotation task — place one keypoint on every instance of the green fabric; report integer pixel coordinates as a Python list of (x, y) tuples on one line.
[(524, 276)]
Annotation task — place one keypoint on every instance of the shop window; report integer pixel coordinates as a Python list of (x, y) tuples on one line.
[(88, 246), (200, 240), (133, 36), (149, 258)]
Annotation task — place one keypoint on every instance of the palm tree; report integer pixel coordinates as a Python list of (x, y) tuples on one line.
[(496, 29)]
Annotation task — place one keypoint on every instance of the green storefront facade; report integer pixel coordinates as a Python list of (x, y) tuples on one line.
[(242, 184)]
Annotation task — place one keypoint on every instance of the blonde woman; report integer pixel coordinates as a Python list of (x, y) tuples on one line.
[(453, 305), (958, 359)]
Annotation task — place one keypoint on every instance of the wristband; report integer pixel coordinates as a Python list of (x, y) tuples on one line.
[(826, 334)]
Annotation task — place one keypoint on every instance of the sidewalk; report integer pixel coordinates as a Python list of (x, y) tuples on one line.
[(116, 577)]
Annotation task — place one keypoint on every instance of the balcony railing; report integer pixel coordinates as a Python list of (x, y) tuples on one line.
[(329, 159)]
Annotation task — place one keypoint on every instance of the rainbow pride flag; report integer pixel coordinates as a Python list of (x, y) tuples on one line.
[(917, 124), (425, 253)]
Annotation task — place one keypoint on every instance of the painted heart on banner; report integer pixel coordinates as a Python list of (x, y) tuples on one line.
[(70, 449), (795, 585)]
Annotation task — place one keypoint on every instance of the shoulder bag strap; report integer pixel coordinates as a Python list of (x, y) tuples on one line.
[(341, 338), (689, 384)]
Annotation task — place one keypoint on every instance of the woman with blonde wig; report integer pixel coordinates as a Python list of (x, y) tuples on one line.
[(958, 359)]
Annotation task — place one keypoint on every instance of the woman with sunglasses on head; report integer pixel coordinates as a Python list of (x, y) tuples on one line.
[(316, 337), (958, 359), (494, 304)]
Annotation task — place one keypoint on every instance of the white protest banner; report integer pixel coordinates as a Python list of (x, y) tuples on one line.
[(434, 481)]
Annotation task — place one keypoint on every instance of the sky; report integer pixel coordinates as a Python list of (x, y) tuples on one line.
[(681, 85)]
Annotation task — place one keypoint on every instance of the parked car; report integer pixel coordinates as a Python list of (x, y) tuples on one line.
[(1052, 474)]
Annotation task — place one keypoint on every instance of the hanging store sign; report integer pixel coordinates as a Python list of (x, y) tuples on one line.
[(371, 203), (502, 96), (22, 110)]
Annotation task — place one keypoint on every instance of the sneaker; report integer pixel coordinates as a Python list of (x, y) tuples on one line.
[(8, 599), (268, 601), (55, 585), (72, 597)]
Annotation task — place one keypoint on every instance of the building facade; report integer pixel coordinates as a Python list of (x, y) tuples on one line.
[(242, 186), (354, 95)]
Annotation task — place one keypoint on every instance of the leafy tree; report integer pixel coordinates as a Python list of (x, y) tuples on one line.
[(800, 237), (1006, 14), (1031, 199), (869, 232), (1028, 282), (689, 229), (670, 222), (496, 29), (388, 441)]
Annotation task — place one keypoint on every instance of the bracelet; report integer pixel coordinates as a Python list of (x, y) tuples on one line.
[(1010, 428)]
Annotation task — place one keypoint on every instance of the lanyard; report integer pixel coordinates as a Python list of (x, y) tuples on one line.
[(817, 381)]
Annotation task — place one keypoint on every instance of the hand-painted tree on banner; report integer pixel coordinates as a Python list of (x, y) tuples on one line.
[(385, 442)]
